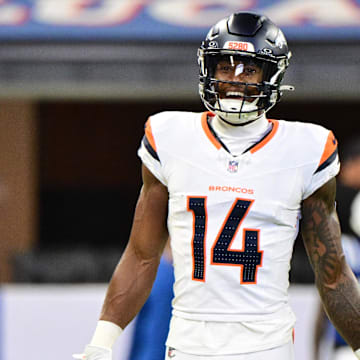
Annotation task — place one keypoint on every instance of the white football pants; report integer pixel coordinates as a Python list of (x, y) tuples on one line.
[(284, 352)]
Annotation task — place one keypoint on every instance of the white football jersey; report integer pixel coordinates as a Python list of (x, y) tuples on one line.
[(233, 219)]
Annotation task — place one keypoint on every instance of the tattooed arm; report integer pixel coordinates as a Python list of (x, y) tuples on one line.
[(337, 285)]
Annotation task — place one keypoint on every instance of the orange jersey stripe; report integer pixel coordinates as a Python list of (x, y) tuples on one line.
[(330, 147), (267, 138), (149, 134), (207, 131)]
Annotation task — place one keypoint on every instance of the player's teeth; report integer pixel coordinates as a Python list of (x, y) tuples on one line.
[(233, 93)]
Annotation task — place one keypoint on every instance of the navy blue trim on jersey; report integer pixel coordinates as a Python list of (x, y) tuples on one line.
[(262, 139), (198, 206), (327, 162), (150, 149), (216, 137)]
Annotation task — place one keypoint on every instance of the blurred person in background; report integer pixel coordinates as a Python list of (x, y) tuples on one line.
[(329, 344), (152, 323), (348, 189), (208, 175)]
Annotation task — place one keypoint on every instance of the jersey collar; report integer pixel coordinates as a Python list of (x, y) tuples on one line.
[(211, 135)]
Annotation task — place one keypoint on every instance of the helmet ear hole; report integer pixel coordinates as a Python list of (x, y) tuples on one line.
[(255, 39)]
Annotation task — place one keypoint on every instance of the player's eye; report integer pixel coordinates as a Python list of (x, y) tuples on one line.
[(250, 71), (224, 68)]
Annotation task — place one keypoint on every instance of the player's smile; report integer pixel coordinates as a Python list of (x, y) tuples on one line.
[(234, 71), (237, 95)]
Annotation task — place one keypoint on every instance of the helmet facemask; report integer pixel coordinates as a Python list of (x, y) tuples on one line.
[(238, 87)]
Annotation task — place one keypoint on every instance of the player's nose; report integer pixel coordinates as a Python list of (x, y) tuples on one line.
[(236, 77), (239, 83), (238, 73)]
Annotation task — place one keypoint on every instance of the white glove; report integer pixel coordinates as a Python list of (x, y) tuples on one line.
[(357, 353), (93, 352), (100, 346)]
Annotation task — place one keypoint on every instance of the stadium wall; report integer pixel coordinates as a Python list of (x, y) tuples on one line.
[(52, 322)]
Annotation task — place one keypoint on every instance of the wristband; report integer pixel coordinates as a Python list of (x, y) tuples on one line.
[(357, 353), (105, 334)]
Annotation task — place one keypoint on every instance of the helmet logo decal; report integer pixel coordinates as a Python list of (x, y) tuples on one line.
[(238, 45), (213, 45), (266, 51)]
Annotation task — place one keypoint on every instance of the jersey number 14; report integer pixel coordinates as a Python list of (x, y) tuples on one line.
[(249, 258)]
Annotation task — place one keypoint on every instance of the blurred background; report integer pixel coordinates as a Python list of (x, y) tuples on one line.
[(78, 79)]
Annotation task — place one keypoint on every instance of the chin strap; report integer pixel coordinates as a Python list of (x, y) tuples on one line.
[(237, 112)]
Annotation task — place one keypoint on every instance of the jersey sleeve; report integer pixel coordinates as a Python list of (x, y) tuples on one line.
[(149, 155), (326, 168)]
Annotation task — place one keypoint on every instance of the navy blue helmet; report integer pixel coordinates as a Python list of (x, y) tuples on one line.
[(252, 40)]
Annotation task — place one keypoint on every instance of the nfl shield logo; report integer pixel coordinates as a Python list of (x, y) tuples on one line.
[(233, 166), (171, 353)]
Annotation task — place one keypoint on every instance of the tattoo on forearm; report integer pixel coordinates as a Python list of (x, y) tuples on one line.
[(336, 283), (322, 232)]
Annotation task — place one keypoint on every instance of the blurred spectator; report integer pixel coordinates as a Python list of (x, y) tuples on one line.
[(329, 345), (348, 192), (152, 323)]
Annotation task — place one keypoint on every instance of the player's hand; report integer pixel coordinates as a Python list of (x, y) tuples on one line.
[(92, 352)]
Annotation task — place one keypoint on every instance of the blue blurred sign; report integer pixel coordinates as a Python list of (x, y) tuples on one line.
[(170, 20)]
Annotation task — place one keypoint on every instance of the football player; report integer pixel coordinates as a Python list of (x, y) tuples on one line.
[(229, 186)]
